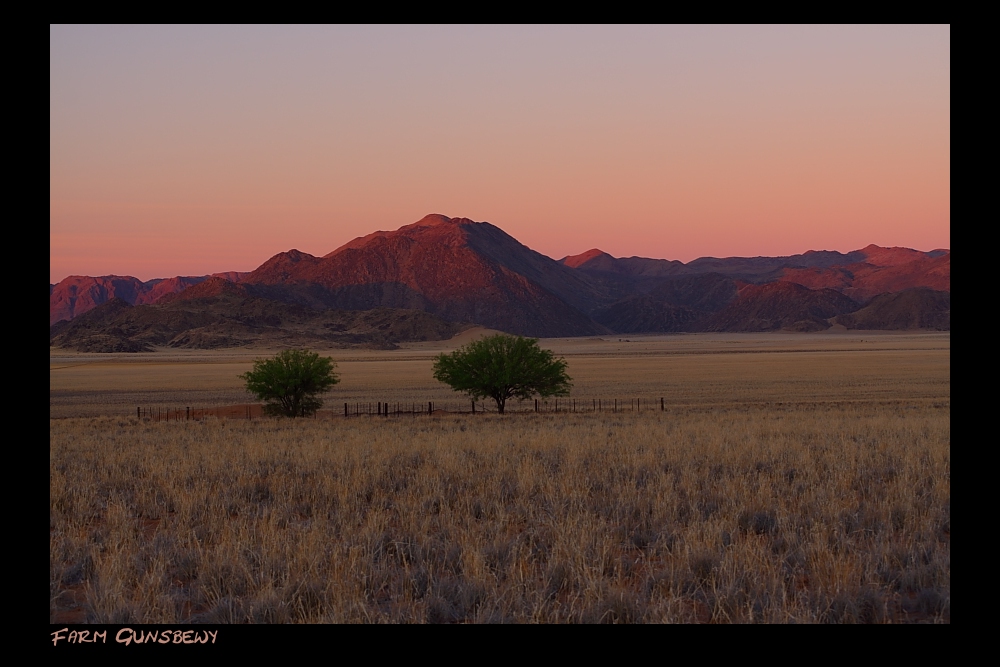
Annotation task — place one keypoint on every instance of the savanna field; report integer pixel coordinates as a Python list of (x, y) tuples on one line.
[(789, 478)]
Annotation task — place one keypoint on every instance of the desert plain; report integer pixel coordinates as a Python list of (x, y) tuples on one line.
[(774, 477)]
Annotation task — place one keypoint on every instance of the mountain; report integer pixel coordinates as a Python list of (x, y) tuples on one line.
[(916, 308), (457, 272), (865, 280), (455, 268), (76, 295), (707, 285), (639, 267), (780, 305), (673, 303), (808, 266)]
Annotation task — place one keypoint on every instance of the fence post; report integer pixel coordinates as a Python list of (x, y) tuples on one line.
[(473, 406), (536, 405), (430, 407), (661, 404)]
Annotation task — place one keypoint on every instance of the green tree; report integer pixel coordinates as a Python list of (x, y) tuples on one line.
[(290, 381), (502, 367)]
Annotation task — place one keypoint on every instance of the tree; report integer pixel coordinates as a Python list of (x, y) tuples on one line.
[(502, 367), (290, 381)]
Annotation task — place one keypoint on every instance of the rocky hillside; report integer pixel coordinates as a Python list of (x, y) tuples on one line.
[(457, 272)]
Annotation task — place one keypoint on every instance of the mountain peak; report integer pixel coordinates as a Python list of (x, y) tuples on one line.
[(431, 220), (434, 222), (574, 261), (434, 219), (894, 256)]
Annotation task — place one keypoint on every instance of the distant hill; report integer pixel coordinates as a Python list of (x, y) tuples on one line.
[(780, 305), (231, 318), (869, 271), (76, 295), (426, 278), (916, 308)]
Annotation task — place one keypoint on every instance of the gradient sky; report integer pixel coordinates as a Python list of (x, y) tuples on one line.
[(194, 150)]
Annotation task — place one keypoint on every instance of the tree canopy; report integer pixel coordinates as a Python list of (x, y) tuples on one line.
[(502, 367), (290, 382)]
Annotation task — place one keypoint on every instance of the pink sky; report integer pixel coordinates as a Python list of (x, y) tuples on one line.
[(194, 150)]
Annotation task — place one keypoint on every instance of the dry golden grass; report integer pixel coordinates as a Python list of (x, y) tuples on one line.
[(824, 514), (807, 481)]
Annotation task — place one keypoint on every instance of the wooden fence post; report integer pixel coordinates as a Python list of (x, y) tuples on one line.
[(661, 404)]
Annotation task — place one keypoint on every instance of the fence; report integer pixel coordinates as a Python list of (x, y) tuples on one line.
[(157, 414), (412, 409)]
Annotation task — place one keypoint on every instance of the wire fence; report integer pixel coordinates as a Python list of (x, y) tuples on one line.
[(411, 409)]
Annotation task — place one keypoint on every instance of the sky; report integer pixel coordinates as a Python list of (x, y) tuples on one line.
[(200, 149)]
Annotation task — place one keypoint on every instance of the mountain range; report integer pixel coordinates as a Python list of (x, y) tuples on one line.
[(440, 274)]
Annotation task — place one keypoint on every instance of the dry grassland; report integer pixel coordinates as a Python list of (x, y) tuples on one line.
[(691, 369), (791, 479)]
